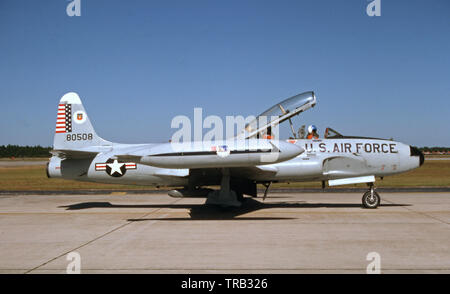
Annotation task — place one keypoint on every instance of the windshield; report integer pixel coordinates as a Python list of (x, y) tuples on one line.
[(332, 134), (282, 111)]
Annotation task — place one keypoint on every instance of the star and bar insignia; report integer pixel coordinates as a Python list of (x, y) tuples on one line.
[(114, 168)]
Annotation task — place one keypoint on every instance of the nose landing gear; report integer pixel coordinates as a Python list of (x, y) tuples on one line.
[(371, 199)]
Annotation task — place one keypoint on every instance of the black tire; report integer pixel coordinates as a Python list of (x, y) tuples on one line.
[(371, 202)]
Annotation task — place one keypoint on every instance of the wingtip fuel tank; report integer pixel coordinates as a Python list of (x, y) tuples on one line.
[(237, 153)]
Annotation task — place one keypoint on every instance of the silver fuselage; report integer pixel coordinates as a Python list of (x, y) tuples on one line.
[(322, 159)]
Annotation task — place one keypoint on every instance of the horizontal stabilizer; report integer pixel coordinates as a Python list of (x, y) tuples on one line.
[(73, 154)]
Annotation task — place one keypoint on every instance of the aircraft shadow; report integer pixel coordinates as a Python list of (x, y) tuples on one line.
[(213, 212)]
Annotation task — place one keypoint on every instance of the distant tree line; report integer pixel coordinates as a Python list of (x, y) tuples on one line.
[(24, 151), (434, 149)]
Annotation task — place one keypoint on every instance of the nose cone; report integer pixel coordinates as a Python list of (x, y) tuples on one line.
[(416, 152)]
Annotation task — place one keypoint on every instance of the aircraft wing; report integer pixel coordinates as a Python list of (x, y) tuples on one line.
[(205, 176), (171, 173), (252, 171)]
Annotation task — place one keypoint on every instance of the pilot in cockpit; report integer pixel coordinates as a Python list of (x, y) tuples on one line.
[(312, 132), (268, 134)]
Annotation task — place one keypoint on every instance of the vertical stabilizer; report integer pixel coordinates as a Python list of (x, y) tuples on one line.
[(73, 127)]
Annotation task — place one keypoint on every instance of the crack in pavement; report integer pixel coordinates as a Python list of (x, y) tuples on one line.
[(128, 222), (418, 212)]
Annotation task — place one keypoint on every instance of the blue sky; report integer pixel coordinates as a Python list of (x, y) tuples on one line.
[(137, 64)]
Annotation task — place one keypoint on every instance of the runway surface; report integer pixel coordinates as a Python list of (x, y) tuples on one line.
[(288, 233), (18, 163)]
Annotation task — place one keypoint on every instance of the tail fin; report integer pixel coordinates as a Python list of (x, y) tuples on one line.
[(73, 127)]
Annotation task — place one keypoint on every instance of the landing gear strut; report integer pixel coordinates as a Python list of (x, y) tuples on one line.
[(266, 185), (371, 199), (224, 197)]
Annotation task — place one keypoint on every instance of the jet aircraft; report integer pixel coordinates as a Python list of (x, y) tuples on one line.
[(237, 164)]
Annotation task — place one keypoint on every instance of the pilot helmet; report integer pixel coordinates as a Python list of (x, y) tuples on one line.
[(312, 128)]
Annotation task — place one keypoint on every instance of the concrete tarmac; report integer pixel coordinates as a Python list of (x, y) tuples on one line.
[(288, 233), (19, 163)]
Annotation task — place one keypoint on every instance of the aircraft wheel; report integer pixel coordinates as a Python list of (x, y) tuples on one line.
[(370, 200)]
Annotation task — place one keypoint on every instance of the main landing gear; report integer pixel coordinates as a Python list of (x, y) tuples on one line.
[(371, 199), (224, 197)]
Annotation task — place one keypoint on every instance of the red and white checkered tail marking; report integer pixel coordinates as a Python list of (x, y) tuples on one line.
[(64, 118)]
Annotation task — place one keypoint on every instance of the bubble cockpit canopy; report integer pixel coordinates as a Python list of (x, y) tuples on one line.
[(279, 113)]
